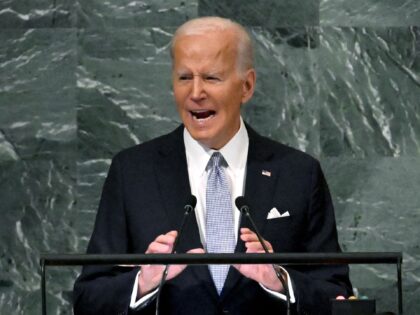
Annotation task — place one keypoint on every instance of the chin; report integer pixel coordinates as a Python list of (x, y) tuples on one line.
[(204, 138), (200, 137)]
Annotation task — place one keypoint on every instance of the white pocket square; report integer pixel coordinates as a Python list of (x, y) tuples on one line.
[(274, 214)]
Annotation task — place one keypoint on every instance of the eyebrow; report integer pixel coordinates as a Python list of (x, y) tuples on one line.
[(188, 72)]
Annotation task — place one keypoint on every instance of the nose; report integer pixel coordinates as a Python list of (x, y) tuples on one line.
[(197, 92)]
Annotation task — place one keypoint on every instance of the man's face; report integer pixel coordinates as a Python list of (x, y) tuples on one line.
[(208, 89)]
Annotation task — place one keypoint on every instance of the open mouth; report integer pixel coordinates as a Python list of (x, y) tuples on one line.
[(202, 114)]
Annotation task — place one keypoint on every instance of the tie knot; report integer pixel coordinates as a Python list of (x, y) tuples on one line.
[(216, 160)]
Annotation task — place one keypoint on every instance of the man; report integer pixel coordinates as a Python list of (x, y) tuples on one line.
[(217, 158)]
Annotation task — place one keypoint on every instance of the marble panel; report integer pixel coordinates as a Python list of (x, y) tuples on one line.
[(37, 94), (378, 209), (284, 106), (267, 13), (37, 14), (369, 86), (37, 215), (124, 89), (128, 13), (377, 13)]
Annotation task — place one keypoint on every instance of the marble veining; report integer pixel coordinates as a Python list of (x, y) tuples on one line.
[(383, 13), (370, 91)]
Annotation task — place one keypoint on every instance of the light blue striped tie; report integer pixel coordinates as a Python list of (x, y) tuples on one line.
[(220, 235)]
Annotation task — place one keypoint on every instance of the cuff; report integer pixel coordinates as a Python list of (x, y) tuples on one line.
[(281, 295), (143, 301)]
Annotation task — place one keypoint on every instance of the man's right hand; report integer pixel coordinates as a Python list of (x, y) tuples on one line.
[(151, 275)]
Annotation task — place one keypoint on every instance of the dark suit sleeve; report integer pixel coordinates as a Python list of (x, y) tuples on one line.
[(315, 286), (107, 289)]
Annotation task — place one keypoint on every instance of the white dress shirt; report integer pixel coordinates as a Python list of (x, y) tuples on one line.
[(235, 153)]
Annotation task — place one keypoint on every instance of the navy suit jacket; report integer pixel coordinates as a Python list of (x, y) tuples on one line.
[(143, 196)]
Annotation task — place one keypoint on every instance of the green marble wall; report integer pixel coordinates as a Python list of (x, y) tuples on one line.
[(80, 80)]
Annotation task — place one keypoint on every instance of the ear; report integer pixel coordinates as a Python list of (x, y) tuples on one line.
[(248, 85)]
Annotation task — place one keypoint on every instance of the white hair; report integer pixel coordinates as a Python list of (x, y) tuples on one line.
[(203, 25)]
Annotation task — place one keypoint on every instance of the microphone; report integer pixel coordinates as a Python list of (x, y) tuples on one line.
[(243, 207), (189, 207)]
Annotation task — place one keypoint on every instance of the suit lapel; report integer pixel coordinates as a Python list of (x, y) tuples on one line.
[(172, 175), (259, 189), (260, 180)]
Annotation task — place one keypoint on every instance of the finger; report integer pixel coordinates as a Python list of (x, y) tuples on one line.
[(163, 243), (257, 250), (258, 246), (252, 251), (246, 231), (196, 251), (254, 246), (168, 238), (248, 236), (254, 239), (158, 248)]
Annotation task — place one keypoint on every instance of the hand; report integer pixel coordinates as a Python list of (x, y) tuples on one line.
[(262, 273), (151, 275)]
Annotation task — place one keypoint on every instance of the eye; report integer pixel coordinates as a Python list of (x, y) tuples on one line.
[(212, 78), (185, 77)]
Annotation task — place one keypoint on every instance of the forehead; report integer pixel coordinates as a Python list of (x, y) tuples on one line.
[(207, 49)]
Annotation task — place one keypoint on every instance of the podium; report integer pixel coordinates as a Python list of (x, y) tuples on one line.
[(284, 259)]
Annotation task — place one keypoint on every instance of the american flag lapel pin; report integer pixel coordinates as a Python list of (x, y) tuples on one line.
[(266, 173)]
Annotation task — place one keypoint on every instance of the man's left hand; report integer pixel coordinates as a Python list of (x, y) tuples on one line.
[(262, 273)]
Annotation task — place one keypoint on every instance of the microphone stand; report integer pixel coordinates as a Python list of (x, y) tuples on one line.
[(245, 210), (188, 209)]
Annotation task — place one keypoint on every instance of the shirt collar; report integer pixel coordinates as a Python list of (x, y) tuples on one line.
[(235, 152)]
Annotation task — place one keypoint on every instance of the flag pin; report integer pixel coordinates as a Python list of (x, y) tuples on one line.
[(266, 173)]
